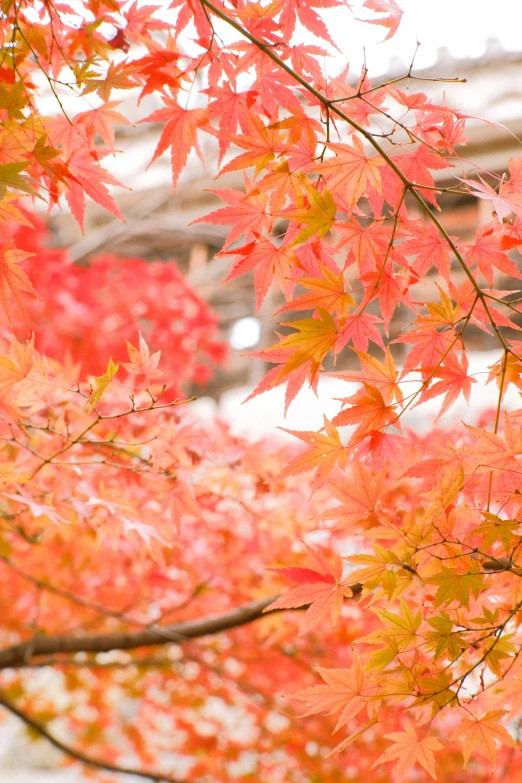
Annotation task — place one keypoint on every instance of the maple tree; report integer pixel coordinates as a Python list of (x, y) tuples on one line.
[(127, 525)]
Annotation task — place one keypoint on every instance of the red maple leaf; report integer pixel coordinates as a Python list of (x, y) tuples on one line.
[(486, 253), (246, 213), (180, 133), (454, 380), (269, 262), (322, 589), (391, 18)]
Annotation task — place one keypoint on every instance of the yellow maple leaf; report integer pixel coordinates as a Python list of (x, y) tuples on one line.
[(312, 340), (318, 217), (100, 384)]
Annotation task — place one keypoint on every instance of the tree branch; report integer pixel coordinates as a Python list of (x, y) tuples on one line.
[(19, 655), (90, 761)]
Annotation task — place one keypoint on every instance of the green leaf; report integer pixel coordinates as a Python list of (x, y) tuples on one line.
[(456, 587), (10, 177)]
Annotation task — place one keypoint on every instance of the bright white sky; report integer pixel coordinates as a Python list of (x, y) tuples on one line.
[(461, 25)]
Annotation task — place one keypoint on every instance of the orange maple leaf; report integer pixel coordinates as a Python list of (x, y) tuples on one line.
[(13, 279), (17, 366), (328, 292), (141, 362), (381, 375), (345, 691), (410, 749), (86, 176), (482, 733), (367, 410), (246, 212), (325, 452), (487, 254)]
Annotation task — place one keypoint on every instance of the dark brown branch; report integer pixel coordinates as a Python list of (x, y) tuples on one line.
[(90, 761), (20, 654)]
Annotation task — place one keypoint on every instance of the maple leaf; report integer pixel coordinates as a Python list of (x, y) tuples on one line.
[(11, 177), (382, 569), (486, 253), (367, 244), (180, 134), (283, 182), (416, 167), (293, 10), (39, 511), (410, 749), (17, 366), (328, 292), (391, 288), (368, 410), (312, 340), (101, 121), (345, 692), (261, 142), (381, 375), (9, 213), (100, 385), (494, 528), (359, 498), (325, 452), (295, 379), (141, 362), (507, 371), (500, 648), (429, 247), (228, 108), (269, 262), (505, 203), (401, 628), (492, 454), (429, 346), (350, 171), (483, 733), (119, 76), (318, 216), (360, 328), (13, 279), (391, 18), (454, 586), (321, 589), (86, 176), (380, 447), (247, 213), (140, 22), (455, 379), (444, 640)]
